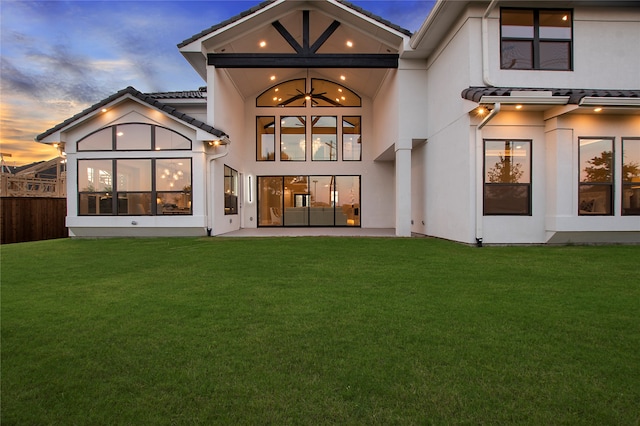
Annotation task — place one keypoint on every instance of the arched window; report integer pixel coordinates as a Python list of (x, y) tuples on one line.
[(134, 137), (322, 93)]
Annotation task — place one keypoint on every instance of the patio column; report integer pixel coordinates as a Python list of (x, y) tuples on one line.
[(403, 191)]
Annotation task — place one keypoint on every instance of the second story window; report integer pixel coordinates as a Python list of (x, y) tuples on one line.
[(536, 39)]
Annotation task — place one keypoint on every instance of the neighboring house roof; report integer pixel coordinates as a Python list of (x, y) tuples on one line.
[(575, 96), (268, 2), (151, 100)]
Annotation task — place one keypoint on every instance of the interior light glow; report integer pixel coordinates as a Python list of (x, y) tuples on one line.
[(120, 134), (565, 17)]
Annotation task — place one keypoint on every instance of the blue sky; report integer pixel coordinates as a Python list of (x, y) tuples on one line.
[(58, 57)]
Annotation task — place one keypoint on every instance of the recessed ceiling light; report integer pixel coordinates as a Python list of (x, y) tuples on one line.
[(342, 77), (349, 43), (518, 106), (273, 77), (598, 109), (104, 110), (263, 43)]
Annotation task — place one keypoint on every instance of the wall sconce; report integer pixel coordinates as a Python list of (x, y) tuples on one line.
[(250, 189)]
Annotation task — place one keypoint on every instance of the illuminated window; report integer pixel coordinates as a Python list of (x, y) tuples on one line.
[(596, 176), (230, 190), (507, 177)]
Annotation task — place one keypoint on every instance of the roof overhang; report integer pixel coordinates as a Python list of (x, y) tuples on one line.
[(203, 130)]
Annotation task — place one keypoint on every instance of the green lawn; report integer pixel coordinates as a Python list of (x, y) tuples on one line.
[(318, 331)]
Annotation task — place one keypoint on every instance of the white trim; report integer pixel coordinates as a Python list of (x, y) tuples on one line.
[(609, 101), (525, 100)]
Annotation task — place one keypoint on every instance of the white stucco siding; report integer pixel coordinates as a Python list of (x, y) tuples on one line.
[(511, 125), (563, 135), (606, 53)]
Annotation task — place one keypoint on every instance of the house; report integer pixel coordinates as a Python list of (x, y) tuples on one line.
[(497, 122)]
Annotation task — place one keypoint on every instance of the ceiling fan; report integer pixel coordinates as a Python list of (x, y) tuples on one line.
[(310, 96)]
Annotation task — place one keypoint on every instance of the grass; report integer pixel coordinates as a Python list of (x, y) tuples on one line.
[(318, 331)]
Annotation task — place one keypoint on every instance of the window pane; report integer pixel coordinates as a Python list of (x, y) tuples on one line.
[(230, 190), (133, 203), (346, 197), (293, 139), (102, 140), (296, 201), (324, 135), (265, 143), (287, 94), (596, 160), (131, 137), (351, 139), (173, 174), (270, 196), (517, 23), (595, 199), (171, 203), (95, 175), (507, 162), (322, 200), (555, 24), (631, 176), (96, 203), (168, 139), (517, 55), (555, 55), (134, 175), (506, 199), (330, 94)]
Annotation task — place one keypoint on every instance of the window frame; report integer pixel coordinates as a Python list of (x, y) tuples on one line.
[(610, 185), (536, 40), (231, 180), (114, 193), (152, 136), (628, 185), (486, 185)]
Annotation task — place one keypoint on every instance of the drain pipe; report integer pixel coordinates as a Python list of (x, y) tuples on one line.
[(485, 44), (207, 195), (480, 174)]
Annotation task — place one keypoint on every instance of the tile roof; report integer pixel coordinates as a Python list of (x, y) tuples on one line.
[(268, 2), (201, 93), (151, 100), (575, 95)]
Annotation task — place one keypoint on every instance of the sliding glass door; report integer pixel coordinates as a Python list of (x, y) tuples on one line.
[(309, 201)]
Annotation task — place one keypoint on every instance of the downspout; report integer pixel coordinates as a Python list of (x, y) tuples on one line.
[(480, 174), (207, 195), (485, 44)]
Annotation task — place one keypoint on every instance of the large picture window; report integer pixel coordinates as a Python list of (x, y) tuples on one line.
[(293, 142), (507, 177), (324, 135), (630, 176), (138, 183), (537, 39), (265, 138), (596, 176)]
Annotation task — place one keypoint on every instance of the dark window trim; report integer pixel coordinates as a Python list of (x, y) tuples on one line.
[(114, 137), (234, 175), (626, 183), (610, 184), (536, 39), (275, 132), (283, 225), (114, 189), (342, 134), (485, 183)]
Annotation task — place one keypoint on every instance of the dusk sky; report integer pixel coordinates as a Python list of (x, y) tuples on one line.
[(59, 57)]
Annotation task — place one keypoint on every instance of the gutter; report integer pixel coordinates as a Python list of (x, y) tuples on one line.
[(479, 173), (485, 44), (426, 26), (207, 196)]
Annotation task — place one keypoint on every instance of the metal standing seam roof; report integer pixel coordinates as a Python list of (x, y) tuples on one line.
[(475, 94), (268, 2), (150, 99)]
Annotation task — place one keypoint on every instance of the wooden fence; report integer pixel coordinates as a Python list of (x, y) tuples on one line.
[(32, 219)]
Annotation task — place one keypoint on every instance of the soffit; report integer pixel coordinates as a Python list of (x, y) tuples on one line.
[(366, 33)]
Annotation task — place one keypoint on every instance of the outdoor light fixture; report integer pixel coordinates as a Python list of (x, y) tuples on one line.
[(598, 109)]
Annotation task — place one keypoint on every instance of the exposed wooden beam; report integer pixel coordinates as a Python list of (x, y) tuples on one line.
[(287, 60)]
